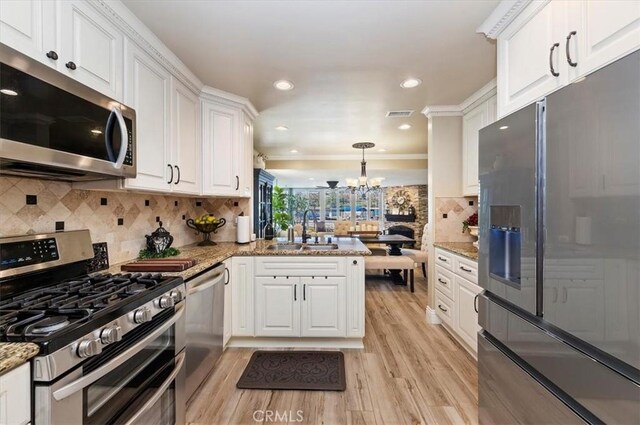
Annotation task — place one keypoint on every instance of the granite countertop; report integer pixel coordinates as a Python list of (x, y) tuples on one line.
[(465, 249), (207, 256), (14, 354)]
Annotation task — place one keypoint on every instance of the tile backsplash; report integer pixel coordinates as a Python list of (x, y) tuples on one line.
[(119, 218), (449, 215)]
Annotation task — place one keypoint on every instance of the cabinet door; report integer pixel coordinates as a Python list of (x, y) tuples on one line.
[(246, 169), (29, 27), (242, 296), (15, 396), (355, 297), (467, 321), (148, 92), (524, 73), (278, 306), (94, 45), (472, 122), (220, 134), (605, 31), (187, 157), (228, 304), (324, 306)]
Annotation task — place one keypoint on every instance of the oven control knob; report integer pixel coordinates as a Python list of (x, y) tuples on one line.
[(142, 315), (111, 335), (176, 295), (166, 301), (89, 347)]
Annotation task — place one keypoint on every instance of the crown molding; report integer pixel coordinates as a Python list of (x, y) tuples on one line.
[(230, 99), (347, 157), (484, 93), (501, 17), (120, 16)]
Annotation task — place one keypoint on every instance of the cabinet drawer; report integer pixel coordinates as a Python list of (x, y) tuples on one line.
[(444, 258), (467, 269), (300, 266), (444, 308), (444, 281)]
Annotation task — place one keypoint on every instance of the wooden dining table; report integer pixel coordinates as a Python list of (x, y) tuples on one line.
[(394, 242)]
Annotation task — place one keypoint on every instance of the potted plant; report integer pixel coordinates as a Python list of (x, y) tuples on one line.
[(281, 217)]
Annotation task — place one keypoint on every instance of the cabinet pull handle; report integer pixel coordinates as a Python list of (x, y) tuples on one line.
[(227, 276), (571, 63), (464, 269), (555, 295), (442, 308), (304, 292), (295, 292), (442, 259), (52, 55), (170, 169), (444, 282), (178, 171), (565, 295), (237, 182), (475, 303), (70, 65), (553, 71)]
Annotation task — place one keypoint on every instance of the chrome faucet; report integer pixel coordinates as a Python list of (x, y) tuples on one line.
[(305, 236)]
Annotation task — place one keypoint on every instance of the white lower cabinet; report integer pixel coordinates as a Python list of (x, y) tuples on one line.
[(455, 296), (277, 311), (242, 296), (324, 306), (228, 304), (15, 396)]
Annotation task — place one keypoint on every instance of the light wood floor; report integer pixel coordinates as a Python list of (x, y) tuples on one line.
[(409, 372)]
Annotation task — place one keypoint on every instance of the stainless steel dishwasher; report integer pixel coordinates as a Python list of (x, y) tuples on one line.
[(205, 325)]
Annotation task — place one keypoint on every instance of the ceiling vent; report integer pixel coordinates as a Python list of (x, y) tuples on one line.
[(399, 114)]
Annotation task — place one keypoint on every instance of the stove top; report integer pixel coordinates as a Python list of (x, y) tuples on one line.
[(43, 314)]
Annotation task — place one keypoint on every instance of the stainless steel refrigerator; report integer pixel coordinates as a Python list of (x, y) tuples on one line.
[(560, 256)]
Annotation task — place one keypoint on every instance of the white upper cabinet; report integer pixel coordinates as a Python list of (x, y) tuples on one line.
[(91, 48), (472, 122), (29, 27), (552, 43), (220, 144), (529, 54), (186, 156), (247, 157), (147, 90)]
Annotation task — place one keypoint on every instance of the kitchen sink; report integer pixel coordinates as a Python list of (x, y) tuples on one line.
[(321, 247), (285, 247)]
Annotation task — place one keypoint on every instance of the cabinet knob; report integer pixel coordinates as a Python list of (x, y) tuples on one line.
[(52, 55), (70, 65), (355, 262)]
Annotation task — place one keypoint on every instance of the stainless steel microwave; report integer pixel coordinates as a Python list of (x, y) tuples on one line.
[(54, 127)]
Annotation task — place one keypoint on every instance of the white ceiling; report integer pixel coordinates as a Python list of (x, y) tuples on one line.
[(346, 59), (302, 178)]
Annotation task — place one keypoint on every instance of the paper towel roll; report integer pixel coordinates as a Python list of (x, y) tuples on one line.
[(244, 229), (583, 230)]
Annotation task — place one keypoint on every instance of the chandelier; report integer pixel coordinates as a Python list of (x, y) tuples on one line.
[(363, 184)]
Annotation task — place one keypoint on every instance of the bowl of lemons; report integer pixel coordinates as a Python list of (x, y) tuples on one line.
[(206, 225)]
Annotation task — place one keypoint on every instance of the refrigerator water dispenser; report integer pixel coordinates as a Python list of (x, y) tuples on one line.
[(505, 244)]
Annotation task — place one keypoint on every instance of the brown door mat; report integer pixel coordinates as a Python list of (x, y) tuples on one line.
[(159, 265), (295, 370)]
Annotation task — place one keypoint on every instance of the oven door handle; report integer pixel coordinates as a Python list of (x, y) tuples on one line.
[(160, 391), (92, 377)]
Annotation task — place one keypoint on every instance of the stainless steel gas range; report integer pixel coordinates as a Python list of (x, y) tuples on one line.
[(111, 346)]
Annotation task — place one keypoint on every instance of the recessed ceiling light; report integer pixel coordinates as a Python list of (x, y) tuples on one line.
[(282, 128), (96, 131), (9, 92), (504, 127), (293, 151), (410, 83), (405, 127), (311, 178), (283, 85), (382, 150)]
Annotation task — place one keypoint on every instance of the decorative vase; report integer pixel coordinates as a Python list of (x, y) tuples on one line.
[(159, 240), (473, 231)]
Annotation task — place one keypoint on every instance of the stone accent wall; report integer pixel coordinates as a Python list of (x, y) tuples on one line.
[(418, 194), (449, 215), (119, 218)]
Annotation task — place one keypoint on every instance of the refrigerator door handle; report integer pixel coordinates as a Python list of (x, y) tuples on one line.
[(555, 295)]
